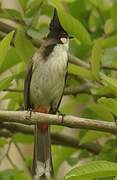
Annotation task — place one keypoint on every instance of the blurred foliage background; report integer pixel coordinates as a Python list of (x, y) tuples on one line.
[(91, 89)]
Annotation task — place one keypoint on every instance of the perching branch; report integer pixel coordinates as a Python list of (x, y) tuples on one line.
[(22, 117)]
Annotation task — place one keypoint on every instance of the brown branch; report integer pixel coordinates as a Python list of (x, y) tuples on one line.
[(65, 140), (57, 139), (70, 90), (22, 117)]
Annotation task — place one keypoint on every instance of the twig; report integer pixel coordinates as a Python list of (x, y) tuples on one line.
[(73, 90), (22, 156), (14, 90), (109, 68), (73, 142), (57, 139), (11, 162), (7, 154), (77, 61)]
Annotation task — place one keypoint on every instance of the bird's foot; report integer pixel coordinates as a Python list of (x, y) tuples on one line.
[(61, 114), (115, 121), (29, 114)]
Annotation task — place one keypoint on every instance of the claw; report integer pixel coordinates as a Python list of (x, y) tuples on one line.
[(61, 114), (115, 121), (28, 117)]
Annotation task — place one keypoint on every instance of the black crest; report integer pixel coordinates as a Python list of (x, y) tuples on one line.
[(55, 27)]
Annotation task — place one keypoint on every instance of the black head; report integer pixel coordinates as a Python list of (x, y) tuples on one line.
[(56, 30)]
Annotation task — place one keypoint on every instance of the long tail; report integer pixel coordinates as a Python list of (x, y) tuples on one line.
[(42, 161)]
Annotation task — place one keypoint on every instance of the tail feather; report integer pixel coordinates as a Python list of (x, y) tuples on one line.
[(42, 154)]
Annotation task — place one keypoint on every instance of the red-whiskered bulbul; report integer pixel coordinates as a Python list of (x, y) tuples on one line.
[(43, 91)]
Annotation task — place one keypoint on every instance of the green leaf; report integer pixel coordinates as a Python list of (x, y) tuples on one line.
[(110, 103), (15, 100), (83, 98), (56, 128), (69, 107), (23, 45), (60, 154), (93, 170), (92, 136), (28, 160), (3, 141), (109, 150), (33, 7), (21, 175), (109, 57), (19, 75), (109, 42), (14, 174), (109, 27), (102, 112), (5, 82), (11, 59), (96, 58), (71, 25), (22, 138), (94, 21), (111, 82), (114, 13), (23, 3), (4, 46), (70, 1), (8, 174), (103, 90), (94, 2), (77, 70), (14, 13)]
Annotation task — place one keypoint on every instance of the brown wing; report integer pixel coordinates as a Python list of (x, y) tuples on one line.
[(27, 103)]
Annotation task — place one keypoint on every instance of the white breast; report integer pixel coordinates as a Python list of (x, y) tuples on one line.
[(48, 77)]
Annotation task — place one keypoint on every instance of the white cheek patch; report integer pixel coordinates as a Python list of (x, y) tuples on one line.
[(63, 40)]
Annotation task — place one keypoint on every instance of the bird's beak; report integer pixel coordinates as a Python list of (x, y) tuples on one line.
[(71, 37)]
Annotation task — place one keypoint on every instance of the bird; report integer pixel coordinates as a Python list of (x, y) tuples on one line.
[(44, 85)]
